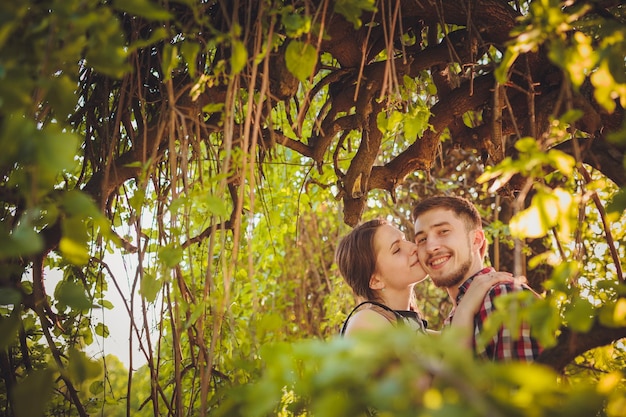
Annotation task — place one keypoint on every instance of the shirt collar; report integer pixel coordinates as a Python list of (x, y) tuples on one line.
[(465, 286)]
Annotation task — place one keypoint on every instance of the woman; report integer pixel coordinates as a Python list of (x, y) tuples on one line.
[(382, 268)]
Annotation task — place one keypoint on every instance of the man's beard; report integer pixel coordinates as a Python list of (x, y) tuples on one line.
[(453, 279)]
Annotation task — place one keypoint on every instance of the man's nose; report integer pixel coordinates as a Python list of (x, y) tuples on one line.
[(432, 245)]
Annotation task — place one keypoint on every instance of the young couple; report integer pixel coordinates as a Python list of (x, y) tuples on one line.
[(382, 268)]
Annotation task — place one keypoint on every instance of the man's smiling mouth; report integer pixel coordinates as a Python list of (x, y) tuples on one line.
[(439, 261)]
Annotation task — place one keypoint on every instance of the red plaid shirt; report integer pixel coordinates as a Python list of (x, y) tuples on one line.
[(502, 347)]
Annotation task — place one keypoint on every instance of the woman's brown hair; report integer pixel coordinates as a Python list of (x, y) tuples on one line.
[(356, 258)]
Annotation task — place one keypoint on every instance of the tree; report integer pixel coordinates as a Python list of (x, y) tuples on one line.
[(157, 128)]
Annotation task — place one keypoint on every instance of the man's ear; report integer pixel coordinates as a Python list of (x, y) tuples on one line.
[(480, 243), (376, 283)]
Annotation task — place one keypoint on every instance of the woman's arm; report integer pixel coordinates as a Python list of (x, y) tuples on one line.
[(475, 296)]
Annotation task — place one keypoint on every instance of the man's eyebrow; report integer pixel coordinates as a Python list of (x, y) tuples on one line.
[(440, 224), (444, 223)]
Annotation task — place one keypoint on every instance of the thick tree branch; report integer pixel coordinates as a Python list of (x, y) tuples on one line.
[(421, 153), (570, 344)]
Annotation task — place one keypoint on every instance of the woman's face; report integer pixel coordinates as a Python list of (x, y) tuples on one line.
[(397, 264)]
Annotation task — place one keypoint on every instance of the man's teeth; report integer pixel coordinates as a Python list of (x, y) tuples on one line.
[(438, 261)]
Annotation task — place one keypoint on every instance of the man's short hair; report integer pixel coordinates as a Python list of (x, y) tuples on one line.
[(462, 207)]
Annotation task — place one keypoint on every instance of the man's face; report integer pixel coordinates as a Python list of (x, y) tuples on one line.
[(446, 249)]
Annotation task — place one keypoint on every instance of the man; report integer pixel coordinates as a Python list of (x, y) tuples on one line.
[(451, 247)]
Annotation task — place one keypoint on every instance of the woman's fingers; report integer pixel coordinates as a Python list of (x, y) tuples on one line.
[(495, 277), (521, 279)]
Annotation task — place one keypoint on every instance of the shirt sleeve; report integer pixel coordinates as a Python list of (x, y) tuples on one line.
[(503, 347)]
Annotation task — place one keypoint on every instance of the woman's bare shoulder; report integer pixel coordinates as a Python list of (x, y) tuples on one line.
[(366, 319)]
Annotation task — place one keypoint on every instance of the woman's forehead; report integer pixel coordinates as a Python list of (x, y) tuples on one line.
[(386, 235)]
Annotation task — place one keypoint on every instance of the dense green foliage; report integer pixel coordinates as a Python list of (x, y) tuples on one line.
[(201, 160), (402, 374)]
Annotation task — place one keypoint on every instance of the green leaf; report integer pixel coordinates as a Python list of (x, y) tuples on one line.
[(527, 144), (15, 132), (571, 116), (137, 200), (87, 335), (74, 251), (102, 330), (301, 59), (73, 295), (106, 304), (561, 276), (149, 287), (490, 328), (580, 315), (31, 395), (169, 61), (615, 63), (197, 311), (382, 122), (62, 96), (9, 327), (502, 71), (503, 172), (77, 203), (544, 321), (156, 35), (613, 314), (295, 24), (213, 108), (217, 206), (415, 123), (56, 152), (562, 161), (23, 241), (239, 57), (9, 296), (80, 367), (189, 50), (96, 387), (171, 255), (351, 10), (270, 322), (395, 120), (537, 219), (74, 240), (605, 86), (618, 202)]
